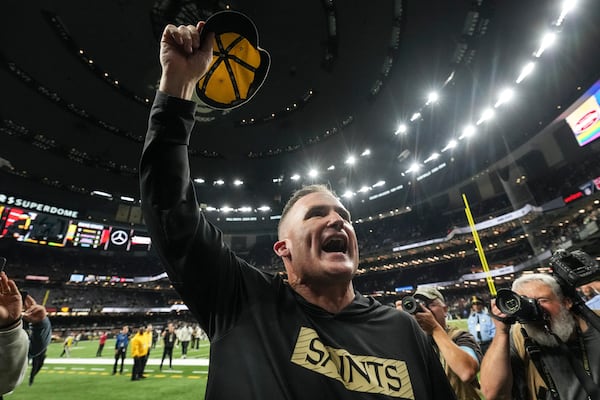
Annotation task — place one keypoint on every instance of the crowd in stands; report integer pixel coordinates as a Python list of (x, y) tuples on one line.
[(508, 244)]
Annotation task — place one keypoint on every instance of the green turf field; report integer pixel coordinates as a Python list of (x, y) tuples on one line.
[(83, 376)]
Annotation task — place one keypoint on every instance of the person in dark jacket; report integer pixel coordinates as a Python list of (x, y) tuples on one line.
[(310, 336), (121, 343), (169, 339)]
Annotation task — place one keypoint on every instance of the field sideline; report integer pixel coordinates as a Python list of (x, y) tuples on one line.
[(85, 376)]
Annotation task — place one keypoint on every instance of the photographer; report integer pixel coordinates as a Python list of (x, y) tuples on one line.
[(459, 353), (552, 353)]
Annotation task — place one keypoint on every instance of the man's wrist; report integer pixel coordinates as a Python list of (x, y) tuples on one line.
[(11, 325), (176, 88)]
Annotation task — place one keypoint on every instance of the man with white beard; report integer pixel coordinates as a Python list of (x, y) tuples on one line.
[(569, 350)]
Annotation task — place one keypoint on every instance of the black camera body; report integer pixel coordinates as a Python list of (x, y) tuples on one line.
[(411, 304), (574, 269), (519, 308), (570, 269)]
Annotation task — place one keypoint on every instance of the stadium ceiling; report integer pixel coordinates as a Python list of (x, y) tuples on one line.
[(359, 96)]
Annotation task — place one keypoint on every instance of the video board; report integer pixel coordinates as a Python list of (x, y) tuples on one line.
[(32, 227), (585, 120)]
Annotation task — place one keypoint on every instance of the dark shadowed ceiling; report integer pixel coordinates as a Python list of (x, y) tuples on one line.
[(78, 78)]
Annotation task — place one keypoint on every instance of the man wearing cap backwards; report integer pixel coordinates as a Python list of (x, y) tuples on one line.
[(311, 336), (459, 353), (480, 324)]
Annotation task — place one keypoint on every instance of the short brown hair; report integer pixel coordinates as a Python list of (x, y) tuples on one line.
[(300, 193)]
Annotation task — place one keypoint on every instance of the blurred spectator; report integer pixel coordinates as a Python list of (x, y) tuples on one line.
[(121, 343), (480, 324), (139, 349), (68, 342), (101, 343), (15, 344)]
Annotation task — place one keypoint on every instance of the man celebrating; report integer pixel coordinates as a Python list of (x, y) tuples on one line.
[(480, 324), (311, 336), (459, 353), (553, 357)]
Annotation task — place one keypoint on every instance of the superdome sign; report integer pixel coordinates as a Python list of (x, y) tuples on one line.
[(41, 207)]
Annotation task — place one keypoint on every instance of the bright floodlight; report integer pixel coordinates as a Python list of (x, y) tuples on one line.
[(313, 173), (364, 189), (547, 41), (245, 209), (102, 194), (486, 115), (331, 168), (415, 167), (433, 97), (432, 157), (199, 180), (264, 208), (468, 131), (505, 96), (451, 144), (415, 116), (351, 160), (295, 177), (238, 182), (127, 198), (567, 6), (219, 182), (527, 69), (226, 209), (367, 152), (401, 129), (348, 194), (379, 183)]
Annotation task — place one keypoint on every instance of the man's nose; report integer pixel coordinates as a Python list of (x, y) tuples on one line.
[(335, 221)]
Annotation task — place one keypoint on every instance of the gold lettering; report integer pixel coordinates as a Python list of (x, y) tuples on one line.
[(358, 373)]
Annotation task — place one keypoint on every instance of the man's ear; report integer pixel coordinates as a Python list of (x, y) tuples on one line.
[(280, 248), (568, 303)]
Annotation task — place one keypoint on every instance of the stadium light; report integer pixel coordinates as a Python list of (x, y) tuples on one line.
[(401, 129), (547, 41), (527, 69)]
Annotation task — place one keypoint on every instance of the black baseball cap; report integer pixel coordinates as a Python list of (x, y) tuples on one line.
[(239, 66)]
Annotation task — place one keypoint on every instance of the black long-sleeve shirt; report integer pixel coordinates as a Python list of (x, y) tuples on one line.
[(267, 342)]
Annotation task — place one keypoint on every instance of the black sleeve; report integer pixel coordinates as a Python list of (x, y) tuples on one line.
[(198, 262)]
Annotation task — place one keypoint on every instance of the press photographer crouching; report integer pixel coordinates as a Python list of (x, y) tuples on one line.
[(547, 342)]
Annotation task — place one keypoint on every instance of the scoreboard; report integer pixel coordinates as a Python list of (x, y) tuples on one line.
[(45, 229)]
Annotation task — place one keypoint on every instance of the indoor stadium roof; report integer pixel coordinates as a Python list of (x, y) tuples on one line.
[(79, 77)]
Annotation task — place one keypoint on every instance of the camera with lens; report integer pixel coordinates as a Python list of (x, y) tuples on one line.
[(574, 269), (570, 269), (519, 308), (411, 304)]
